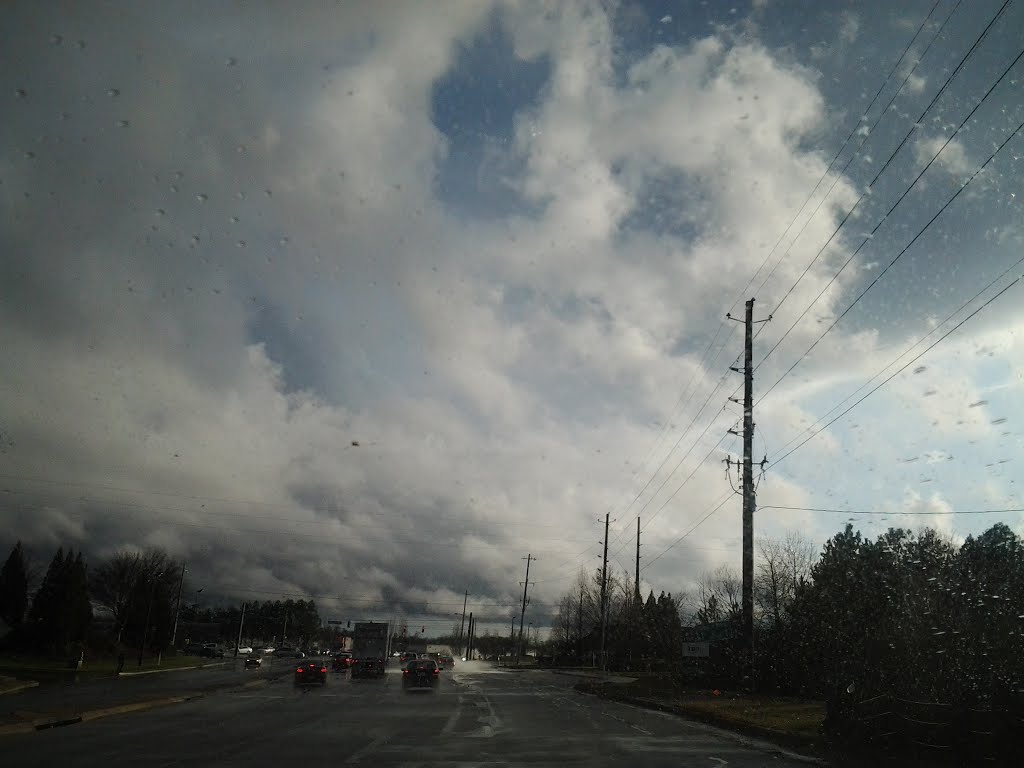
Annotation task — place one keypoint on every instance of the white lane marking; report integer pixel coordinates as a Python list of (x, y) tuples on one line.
[(453, 719), (719, 760), (359, 754)]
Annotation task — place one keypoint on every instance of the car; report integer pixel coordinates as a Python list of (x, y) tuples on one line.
[(341, 661), (285, 652), (368, 667), (420, 674), (193, 649), (446, 662), (211, 651), (406, 656), (244, 650), (253, 661), (268, 650), (310, 673)]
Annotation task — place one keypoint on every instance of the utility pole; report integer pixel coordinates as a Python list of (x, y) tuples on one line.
[(637, 580), (604, 589), (522, 612), (469, 633), (749, 501), (579, 627), (241, 623), (177, 606), (463, 622)]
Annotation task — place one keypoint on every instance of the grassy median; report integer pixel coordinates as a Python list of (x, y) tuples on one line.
[(789, 721), (18, 665)]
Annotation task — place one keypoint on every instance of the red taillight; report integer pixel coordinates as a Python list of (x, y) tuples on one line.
[(405, 671), (323, 670), (437, 671)]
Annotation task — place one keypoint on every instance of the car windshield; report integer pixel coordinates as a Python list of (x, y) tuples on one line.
[(632, 363)]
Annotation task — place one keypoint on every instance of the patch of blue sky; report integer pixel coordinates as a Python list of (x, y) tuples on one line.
[(476, 106)]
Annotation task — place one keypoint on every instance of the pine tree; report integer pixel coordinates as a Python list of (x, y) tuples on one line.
[(47, 605), (61, 611), (14, 588)]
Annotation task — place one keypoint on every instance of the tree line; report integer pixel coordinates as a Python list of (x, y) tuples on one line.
[(909, 612), (132, 599)]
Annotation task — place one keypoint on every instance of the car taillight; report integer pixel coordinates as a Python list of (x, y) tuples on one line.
[(323, 670), (437, 671), (298, 671), (405, 671)]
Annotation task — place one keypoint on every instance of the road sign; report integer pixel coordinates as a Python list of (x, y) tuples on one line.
[(699, 650)]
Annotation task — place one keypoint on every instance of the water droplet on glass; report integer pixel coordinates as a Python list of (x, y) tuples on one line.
[(30, 155), (268, 192), (240, 149), (240, 244), (174, 187), (202, 198), (21, 93), (231, 61), (113, 93), (123, 123), (81, 45), (234, 219), (56, 39), (160, 211), (195, 240)]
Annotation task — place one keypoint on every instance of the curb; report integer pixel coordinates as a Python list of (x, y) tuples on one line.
[(170, 669), (138, 706), (96, 714), (20, 687), (597, 678)]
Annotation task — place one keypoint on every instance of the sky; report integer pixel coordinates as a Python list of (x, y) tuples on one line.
[(368, 302)]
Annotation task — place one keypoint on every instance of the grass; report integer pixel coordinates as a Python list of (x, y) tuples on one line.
[(792, 721), (21, 665)]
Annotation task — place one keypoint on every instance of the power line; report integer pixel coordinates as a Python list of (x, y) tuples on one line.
[(870, 186), (855, 153), (914, 239), (885, 512), (896, 373), (790, 226), (721, 503), (934, 330)]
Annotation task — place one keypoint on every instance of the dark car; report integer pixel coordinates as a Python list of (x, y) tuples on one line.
[(211, 651), (341, 661), (368, 667), (310, 673), (253, 661), (406, 656), (421, 674), (446, 662)]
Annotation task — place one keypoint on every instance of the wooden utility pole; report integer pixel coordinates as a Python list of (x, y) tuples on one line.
[(462, 623), (748, 486), (522, 612), (637, 579), (604, 590)]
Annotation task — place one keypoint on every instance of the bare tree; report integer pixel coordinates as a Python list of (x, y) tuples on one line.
[(112, 585), (719, 594), (783, 565)]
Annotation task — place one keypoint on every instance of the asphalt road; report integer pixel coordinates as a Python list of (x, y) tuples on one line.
[(477, 716)]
